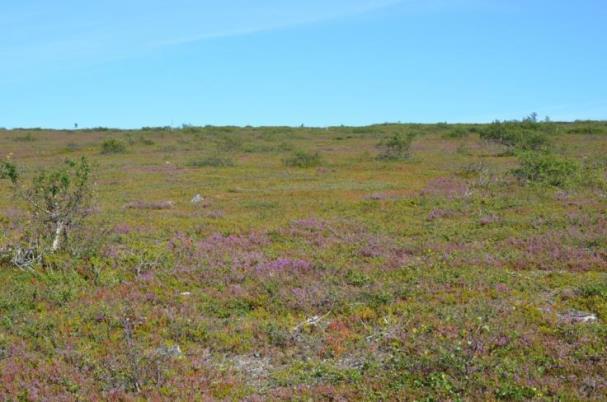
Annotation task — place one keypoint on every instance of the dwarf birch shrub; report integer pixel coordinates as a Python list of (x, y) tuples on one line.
[(303, 159), (58, 199), (537, 167), (526, 135), (397, 146), (113, 146)]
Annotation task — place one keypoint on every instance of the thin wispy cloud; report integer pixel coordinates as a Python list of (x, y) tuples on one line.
[(294, 21), (38, 39)]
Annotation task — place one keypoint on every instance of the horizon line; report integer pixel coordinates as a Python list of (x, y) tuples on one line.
[(195, 126)]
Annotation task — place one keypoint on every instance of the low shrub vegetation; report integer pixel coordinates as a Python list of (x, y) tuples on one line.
[(57, 201), (546, 168), (113, 146), (212, 161), (457, 132), (476, 275), (303, 159), (524, 135), (397, 146)]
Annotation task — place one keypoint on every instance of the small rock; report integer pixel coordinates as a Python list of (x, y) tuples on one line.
[(197, 199), (488, 220), (310, 322), (577, 317), (170, 351), (568, 293), (186, 293), (377, 197)]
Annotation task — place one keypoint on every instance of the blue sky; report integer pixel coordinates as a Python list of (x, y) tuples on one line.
[(317, 62)]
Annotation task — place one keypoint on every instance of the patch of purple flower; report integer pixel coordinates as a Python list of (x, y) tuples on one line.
[(309, 298), (114, 251), (218, 241), (123, 229), (314, 231), (553, 251), (283, 264)]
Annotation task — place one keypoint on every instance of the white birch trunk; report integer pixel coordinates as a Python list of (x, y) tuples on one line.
[(58, 234)]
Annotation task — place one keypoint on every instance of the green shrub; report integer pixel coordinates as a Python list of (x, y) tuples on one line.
[(525, 135), (146, 141), (594, 290), (303, 159), (396, 147), (113, 146), (160, 128), (515, 392), (593, 172), (537, 167), (212, 161), (266, 148), (458, 132), (534, 140), (498, 132), (8, 171), (58, 199), (586, 129)]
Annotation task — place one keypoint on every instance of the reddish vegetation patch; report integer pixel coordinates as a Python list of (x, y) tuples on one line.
[(447, 187), (551, 251), (237, 256), (123, 228), (150, 205), (322, 234), (282, 265)]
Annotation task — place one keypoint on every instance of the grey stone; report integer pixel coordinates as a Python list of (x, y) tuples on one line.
[(170, 351), (577, 317)]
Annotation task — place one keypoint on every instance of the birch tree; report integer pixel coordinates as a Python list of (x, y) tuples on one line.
[(57, 199)]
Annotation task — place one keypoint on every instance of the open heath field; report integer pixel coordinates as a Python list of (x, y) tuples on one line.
[(389, 262)]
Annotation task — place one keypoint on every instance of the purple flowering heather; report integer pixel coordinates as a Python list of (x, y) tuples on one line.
[(285, 265), (309, 298), (218, 242), (123, 228)]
